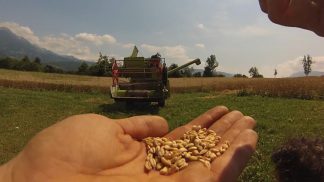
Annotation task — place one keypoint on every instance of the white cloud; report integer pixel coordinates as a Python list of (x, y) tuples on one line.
[(21, 31), (151, 48), (318, 63), (253, 30), (200, 45), (201, 26), (128, 45), (245, 31), (227, 24), (289, 67), (173, 54), (96, 39), (67, 45), (77, 46)]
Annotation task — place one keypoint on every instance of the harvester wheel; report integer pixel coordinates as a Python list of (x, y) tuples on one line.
[(161, 103), (129, 103)]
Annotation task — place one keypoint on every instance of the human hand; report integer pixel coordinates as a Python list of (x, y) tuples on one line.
[(307, 14), (95, 148)]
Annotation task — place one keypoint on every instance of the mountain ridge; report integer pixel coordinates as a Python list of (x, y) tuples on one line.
[(312, 73), (214, 72), (12, 45)]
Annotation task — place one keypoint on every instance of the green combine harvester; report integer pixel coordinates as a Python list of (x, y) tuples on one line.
[(139, 79)]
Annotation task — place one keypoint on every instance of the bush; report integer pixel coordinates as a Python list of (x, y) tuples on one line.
[(238, 75)]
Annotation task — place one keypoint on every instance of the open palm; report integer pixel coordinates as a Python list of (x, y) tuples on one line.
[(95, 148)]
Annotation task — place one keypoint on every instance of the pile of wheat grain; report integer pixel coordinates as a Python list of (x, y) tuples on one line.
[(198, 144)]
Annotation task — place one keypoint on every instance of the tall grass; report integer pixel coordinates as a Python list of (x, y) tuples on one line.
[(302, 87), (54, 78), (32, 85)]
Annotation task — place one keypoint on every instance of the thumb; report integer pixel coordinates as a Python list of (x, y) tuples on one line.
[(140, 127)]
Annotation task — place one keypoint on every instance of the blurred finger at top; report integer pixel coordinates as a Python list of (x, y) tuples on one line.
[(263, 5), (307, 14), (275, 9), (304, 13)]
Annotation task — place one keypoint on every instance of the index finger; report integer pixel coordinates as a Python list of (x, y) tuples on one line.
[(140, 127), (205, 120)]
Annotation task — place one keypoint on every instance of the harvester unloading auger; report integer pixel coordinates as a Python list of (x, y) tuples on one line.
[(146, 79)]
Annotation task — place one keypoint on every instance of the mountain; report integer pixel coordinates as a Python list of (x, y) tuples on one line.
[(224, 73), (214, 73), (15, 46), (313, 73)]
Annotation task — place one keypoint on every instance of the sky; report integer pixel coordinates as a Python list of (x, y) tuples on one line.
[(236, 31)]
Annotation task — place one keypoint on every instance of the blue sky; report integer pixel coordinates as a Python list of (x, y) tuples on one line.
[(236, 31)]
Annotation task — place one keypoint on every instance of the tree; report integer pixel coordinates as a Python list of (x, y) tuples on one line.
[(208, 72), (83, 68), (102, 67), (94, 70), (275, 73), (238, 75), (211, 64), (255, 73), (24, 64), (219, 75), (187, 72), (307, 63), (37, 60), (52, 69), (25, 59), (175, 74), (34, 66), (197, 74), (8, 63)]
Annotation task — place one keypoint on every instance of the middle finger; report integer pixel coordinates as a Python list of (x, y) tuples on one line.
[(205, 120), (224, 123), (239, 126)]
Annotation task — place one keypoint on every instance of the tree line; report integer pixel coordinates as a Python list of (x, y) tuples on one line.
[(104, 64), (101, 68), (212, 63), (25, 64)]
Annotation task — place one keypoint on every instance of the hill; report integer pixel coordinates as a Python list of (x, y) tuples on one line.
[(15, 46), (313, 73), (214, 73)]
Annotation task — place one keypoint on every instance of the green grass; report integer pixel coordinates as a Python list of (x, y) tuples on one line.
[(23, 113)]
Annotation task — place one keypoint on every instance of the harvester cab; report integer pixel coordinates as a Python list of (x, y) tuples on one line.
[(139, 79)]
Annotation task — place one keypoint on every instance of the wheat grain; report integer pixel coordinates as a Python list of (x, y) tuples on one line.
[(197, 144)]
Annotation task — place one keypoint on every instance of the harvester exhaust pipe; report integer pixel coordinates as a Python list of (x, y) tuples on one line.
[(135, 52)]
